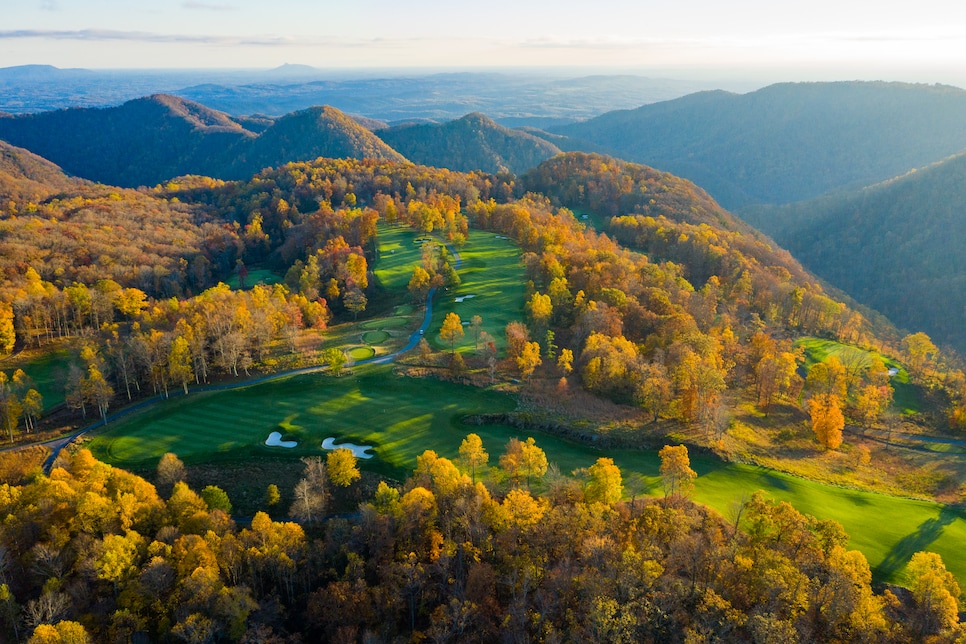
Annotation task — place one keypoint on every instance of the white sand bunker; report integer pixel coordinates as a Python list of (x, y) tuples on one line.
[(275, 440), (360, 451), (460, 299)]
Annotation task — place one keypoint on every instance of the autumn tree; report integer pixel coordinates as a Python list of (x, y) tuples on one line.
[(517, 337), (524, 459), (170, 470), (216, 498), (451, 331), (605, 484), (676, 473), (566, 361), (342, 467), (936, 594), (310, 492), (472, 453), (827, 378), (419, 284), (179, 362), (539, 308), (529, 359), (920, 350), (827, 419)]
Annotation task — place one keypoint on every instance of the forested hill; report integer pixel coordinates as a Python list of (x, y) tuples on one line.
[(474, 142), (897, 246), (24, 176), (787, 142), (307, 135), (150, 140), (144, 141)]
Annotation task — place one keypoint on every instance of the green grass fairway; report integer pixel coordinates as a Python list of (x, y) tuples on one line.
[(491, 271), (398, 253), (906, 397), (361, 353), (493, 274), (403, 309), (385, 323), (256, 276), (48, 370), (402, 417), (375, 337)]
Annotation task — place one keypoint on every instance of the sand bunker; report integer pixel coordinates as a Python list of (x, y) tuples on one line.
[(358, 450), (275, 440), (460, 299)]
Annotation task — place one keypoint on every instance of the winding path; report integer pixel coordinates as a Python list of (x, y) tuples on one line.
[(57, 444)]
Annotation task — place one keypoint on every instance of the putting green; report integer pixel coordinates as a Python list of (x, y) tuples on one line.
[(375, 337), (403, 309), (361, 353)]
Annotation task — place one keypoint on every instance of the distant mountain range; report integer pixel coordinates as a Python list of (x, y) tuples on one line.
[(787, 142), (511, 98)]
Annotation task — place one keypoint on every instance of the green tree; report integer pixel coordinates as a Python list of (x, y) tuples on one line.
[(335, 359), (216, 499), (272, 495)]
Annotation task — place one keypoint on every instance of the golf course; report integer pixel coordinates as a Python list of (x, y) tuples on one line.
[(400, 417)]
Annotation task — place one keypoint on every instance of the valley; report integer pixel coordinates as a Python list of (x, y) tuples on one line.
[(235, 297)]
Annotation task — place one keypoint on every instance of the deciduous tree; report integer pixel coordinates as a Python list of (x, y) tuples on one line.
[(676, 473), (342, 466)]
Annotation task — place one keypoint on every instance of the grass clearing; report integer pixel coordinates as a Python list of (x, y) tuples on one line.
[(398, 253), (493, 274), (255, 276), (47, 368), (906, 399)]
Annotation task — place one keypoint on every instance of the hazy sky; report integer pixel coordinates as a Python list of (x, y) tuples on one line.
[(922, 40)]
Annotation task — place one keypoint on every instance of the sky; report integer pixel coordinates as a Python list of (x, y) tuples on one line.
[(817, 40)]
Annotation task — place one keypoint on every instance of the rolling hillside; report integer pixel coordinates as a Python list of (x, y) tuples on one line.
[(474, 142), (896, 246), (150, 140), (24, 176), (787, 142), (141, 142), (304, 136)]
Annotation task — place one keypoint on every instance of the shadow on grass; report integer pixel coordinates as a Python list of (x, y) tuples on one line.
[(900, 554)]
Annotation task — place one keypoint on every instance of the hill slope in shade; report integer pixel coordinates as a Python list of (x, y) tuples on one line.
[(473, 142), (787, 142), (896, 246), (141, 142), (150, 140)]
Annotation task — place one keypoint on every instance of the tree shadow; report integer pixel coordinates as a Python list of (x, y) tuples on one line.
[(902, 552)]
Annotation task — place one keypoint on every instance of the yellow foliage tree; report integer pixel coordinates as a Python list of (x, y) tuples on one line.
[(827, 419)]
